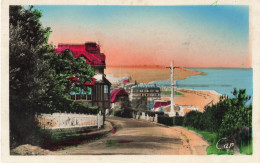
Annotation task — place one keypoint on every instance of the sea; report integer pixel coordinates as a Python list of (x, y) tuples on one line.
[(221, 80)]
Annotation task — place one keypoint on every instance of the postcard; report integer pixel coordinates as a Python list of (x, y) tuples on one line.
[(134, 81)]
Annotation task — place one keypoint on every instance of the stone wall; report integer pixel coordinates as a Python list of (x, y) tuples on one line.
[(69, 120)]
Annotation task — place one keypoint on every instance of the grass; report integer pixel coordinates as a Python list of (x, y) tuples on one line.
[(247, 149), (169, 93), (58, 136), (211, 137), (61, 140)]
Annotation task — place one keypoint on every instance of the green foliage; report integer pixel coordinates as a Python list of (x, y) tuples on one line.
[(126, 110), (178, 121), (165, 120), (38, 78), (230, 118), (116, 112), (64, 66), (193, 119), (247, 149), (236, 116), (140, 104), (170, 121), (169, 93), (27, 69), (212, 138)]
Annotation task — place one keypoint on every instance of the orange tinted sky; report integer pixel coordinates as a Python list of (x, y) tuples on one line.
[(192, 36)]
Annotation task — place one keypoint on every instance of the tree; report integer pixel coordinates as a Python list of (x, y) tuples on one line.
[(27, 46), (38, 78), (237, 116), (140, 104), (64, 66)]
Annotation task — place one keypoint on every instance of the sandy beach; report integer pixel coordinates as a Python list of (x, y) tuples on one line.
[(147, 74), (199, 98)]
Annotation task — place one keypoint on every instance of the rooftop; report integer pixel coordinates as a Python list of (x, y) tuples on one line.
[(90, 51), (146, 86), (116, 93)]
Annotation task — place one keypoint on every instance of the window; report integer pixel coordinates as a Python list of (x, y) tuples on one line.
[(72, 97), (89, 97), (156, 90), (89, 94), (84, 97), (105, 88), (141, 90), (78, 97)]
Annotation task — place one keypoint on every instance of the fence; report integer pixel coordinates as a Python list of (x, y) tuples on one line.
[(170, 121), (69, 120), (145, 116)]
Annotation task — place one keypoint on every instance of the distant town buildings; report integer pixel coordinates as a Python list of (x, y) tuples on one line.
[(151, 91)]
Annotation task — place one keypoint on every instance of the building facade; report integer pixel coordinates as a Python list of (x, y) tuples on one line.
[(152, 92)]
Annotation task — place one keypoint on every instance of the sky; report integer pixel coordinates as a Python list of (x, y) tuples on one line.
[(192, 36)]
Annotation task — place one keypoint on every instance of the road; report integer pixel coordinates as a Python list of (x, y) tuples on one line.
[(138, 137)]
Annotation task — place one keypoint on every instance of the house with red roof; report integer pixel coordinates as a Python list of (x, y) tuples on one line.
[(99, 94), (118, 96)]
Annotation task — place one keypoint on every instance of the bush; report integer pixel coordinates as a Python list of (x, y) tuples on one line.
[(193, 119), (165, 120), (83, 108), (127, 113), (178, 121), (236, 117), (116, 112), (152, 114), (140, 104)]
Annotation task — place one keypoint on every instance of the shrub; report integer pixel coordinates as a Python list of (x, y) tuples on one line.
[(178, 121), (165, 120), (193, 119), (237, 116), (140, 104), (116, 112), (126, 113)]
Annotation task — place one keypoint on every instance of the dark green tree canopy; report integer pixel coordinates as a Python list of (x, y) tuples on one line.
[(38, 78)]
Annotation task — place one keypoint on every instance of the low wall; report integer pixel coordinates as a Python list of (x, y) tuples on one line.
[(69, 120), (144, 116), (170, 121)]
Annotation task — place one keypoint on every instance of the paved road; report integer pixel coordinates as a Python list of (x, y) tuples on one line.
[(139, 137)]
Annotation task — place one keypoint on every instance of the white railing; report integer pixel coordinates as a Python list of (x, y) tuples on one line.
[(68, 120)]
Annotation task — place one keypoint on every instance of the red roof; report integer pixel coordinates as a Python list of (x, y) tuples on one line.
[(161, 103), (126, 81), (116, 93), (90, 51)]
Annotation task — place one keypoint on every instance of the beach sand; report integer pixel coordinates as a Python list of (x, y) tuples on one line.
[(146, 75), (197, 98)]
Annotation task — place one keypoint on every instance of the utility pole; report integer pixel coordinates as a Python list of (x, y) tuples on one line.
[(173, 84)]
